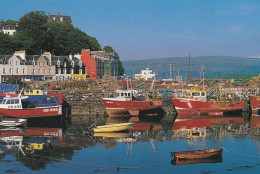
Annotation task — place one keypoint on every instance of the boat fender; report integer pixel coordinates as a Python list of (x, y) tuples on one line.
[(151, 103)]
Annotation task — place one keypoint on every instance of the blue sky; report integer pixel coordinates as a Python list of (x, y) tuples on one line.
[(141, 29)]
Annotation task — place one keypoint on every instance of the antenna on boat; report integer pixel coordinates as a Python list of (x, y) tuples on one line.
[(189, 68), (20, 93)]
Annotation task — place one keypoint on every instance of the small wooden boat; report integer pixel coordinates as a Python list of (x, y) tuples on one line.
[(113, 127), (217, 159), (12, 122), (197, 154)]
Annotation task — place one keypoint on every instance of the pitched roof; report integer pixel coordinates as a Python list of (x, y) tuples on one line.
[(61, 18)]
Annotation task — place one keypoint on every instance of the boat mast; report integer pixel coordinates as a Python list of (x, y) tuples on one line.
[(189, 68)]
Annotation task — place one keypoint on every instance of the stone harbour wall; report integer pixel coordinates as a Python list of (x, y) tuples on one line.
[(83, 108)]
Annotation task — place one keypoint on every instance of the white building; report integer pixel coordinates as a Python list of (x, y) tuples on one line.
[(9, 29), (146, 74)]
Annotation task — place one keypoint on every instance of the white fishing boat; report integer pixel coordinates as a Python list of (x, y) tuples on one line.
[(12, 122)]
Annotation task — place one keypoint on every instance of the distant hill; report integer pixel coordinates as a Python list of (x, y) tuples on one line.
[(215, 66)]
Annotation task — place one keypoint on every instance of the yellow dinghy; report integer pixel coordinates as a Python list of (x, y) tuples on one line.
[(113, 127)]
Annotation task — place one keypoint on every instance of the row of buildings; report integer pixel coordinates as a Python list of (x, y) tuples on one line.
[(92, 64)]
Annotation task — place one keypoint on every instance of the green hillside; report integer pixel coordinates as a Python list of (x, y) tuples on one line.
[(215, 66)]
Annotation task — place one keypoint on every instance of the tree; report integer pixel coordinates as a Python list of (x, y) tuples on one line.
[(109, 49), (70, 40), (5, 44), (33, 32)]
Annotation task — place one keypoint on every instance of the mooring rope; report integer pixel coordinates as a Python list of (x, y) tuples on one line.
[(96, 165)]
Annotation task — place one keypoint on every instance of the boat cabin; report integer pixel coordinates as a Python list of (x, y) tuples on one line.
[(197, 95), (12, 102), (32, 92), (123, 95)]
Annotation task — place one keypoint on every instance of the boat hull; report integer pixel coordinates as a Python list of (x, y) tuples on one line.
[(193, 107), (197, 154), (130, 108), (113, 127), (255, 104), (32, 112)]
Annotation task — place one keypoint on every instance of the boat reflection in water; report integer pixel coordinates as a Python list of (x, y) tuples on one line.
[(13, 138), (208, 127)]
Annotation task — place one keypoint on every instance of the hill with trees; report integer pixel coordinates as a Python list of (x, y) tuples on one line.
[(36, 35)]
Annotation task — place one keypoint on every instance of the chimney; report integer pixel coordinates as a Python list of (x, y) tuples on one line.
[(47, 54), (20, 53), (70, 57)]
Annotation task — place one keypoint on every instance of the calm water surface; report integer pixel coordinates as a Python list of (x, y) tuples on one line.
[(145, 149)]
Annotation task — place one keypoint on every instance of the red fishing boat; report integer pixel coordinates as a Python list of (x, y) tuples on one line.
[(20, 107), (125, 103), (196, 103), (255, 104)]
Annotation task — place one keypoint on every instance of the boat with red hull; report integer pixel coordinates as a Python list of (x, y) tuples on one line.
[(197, 104), (20, 107), (124, 104), (254, 101)]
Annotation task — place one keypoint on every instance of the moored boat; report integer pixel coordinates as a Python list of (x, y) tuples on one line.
[(197, 154), (254, 101), (113, 127), (20, 107), (196, 103), (126, 104)]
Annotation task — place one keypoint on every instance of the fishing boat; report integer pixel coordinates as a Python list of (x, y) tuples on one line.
[(12, 122), (126, 103), (196, 103), (113, 127), (254, 101), (197, 154), (20, 107)]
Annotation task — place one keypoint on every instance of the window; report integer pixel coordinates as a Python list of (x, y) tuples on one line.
[(49, 71), (71, 71), (58, 62), (16, 63), (10, 70), (43, 64), (49, 63), (59, 71), (44, 71), (39, 71), (64, 71), (3, 70), (39, 63), (11, 62), (23, 70), (33, 71), (72, 63), (65, 64), (17, 70), (80, 71), (92, 70), (33, 62), (92, 64)]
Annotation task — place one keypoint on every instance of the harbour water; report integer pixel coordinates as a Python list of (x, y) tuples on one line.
[(145, 149)]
